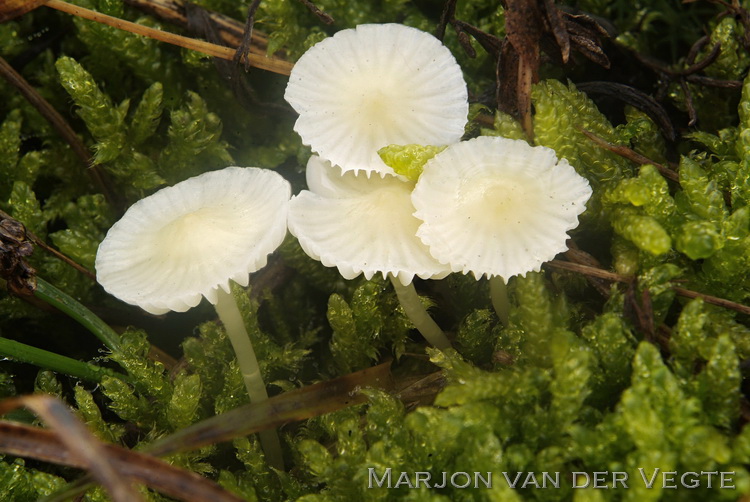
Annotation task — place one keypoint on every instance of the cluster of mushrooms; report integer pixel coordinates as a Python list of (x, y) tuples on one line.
[(491, 206)]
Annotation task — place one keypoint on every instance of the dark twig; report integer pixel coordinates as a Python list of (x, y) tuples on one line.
[(714, 82), (692, 115), (713, 300), (243, 50), (635, 98), (614, 277), (689, 74), (323, 16), (696, 48), (703, 63), (448, 15)]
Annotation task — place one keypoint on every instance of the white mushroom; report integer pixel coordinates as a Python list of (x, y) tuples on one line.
[(497, 207), (189, 241), (365, 226), (373, 86)]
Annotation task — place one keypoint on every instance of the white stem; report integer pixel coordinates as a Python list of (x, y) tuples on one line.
[(231, 318), (418, 315), (499, 298)]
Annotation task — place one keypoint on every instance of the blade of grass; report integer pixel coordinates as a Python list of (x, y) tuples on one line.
[(55, 362), (65, 303)]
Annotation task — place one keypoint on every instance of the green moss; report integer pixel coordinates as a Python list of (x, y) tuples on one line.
[(570, 384), (408, 160)]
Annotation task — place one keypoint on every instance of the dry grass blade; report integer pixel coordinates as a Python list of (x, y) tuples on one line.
[(307, 402), (271, 64), (70, 443), (176, 12), (78, 443)]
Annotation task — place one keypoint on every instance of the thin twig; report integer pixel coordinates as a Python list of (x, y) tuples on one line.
[(713, 300), (631, 155), (323, 16), (612, 276)]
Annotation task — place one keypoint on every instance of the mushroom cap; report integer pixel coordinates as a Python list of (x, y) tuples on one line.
[(360, 225), (497, 207), (373, 86), (186, 241)]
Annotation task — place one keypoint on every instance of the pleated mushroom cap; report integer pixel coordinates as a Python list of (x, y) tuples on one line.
[(373, 86), (497, 207), (360, 225), (185, 241)]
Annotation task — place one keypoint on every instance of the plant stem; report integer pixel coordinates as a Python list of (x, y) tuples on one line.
[(230, 316), (55, 362), (499, 298), (418, 315), (275, 65), (50, 294)]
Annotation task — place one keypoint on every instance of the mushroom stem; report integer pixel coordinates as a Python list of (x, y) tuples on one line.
[(418, 315), (499, 298), (231, 318)]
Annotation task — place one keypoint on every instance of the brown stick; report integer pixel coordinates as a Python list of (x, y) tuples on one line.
[(265, 63), (612, 276), (173, 12)]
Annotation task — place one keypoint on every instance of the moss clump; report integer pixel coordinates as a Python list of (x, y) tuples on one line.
[(588, 375)]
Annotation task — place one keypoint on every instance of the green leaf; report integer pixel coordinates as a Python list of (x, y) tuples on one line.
[(705, 199), (561, 112), (194, 141), (698, 239), (10, 144), (92, 416), (128, 406), (719, 384), (408, 160), (505, 126), (24, 207), (147, 115), (689, 335), (643, 231), (47, 383), (614, 347), (183, 405), (349, 349), (105, 121)]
